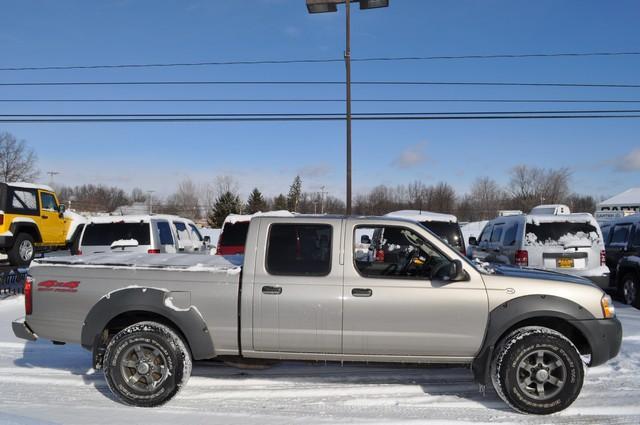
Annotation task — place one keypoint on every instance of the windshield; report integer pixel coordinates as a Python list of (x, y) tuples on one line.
[(104, 234), (561, 233), (449, 232)]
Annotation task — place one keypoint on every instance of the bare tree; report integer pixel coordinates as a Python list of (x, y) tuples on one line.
[(185, 200), (17, 160), (530, 186), (485, 198)]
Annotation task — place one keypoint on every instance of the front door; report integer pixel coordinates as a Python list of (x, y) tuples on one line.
[(393, 306), (52, 228), (297, 300)]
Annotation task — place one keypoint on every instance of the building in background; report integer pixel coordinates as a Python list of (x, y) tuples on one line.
[(621, 205)]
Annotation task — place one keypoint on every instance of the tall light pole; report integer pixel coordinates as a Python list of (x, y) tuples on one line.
[(322, 6), (150, 195)]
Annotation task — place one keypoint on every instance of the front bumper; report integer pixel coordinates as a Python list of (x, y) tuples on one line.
[(22, 330), (604, 336)]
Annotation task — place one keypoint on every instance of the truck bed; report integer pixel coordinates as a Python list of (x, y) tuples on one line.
[(66, 289)]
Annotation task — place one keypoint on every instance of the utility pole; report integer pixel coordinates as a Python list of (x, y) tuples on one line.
[(149, 193), (322, 193), (347, 61), (51, 174)]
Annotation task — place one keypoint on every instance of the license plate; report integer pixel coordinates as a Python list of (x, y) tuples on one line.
[(564, 263)]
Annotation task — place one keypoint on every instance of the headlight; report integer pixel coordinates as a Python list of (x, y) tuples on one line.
[(608, 310)]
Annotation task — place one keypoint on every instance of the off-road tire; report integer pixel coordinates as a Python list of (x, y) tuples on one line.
[(627, 279), (157, 342), (15, 256), (509, 377)]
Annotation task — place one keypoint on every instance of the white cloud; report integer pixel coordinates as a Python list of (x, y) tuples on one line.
[(628, 162), (411, 156)]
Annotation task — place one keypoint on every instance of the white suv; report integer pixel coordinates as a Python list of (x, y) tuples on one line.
[(566, 243), (153, 234)]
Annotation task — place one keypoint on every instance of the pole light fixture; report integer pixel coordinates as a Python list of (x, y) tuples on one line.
[(322, 6)]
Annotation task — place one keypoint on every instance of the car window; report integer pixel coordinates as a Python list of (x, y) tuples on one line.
[(560, 234), (486, 233), (196, 232), (606, 229), (510, 234), (24, 201), (181, 229), (448, 232), (104, 234), (496, 234), (164, 232), (299, 249), (48, 201), (620, 233), (397, 252)]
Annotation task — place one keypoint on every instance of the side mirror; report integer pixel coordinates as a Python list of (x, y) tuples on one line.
[(365, 239), (473, 241), (456, 271), (61, 209), (207, 240)]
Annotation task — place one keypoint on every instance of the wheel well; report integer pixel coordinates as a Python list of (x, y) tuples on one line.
[(624, 271), (129, 318), (30, 230), (559, 325)]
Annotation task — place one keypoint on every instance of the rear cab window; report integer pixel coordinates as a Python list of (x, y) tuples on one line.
[(234, 234), (560, 233), (105, 234), (299, 249)]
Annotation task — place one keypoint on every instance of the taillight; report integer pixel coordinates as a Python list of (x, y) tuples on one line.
[(603, 257), (153, 251), (522, 258), (28, 298)]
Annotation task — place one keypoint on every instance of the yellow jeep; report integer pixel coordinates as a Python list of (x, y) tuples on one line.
[(31, 220)]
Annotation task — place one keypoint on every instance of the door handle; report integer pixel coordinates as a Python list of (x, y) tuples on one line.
[(272, 290), (44, 216), (361, 292)]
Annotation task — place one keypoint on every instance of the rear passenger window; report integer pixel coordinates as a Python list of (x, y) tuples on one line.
[(164, 231), (486, 233), (621, 233), (299, 249), (510, 234), (497, 233), (636, 236), (23, 201)]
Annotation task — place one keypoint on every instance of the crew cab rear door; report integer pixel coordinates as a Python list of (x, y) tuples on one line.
[(392, 306), (297, 290)]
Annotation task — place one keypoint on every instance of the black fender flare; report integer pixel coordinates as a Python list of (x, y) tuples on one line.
[(517, 310), (19, 227), (626, 265), (152, 300)]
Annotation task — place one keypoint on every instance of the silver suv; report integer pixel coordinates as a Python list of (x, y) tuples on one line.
[(566, 243)]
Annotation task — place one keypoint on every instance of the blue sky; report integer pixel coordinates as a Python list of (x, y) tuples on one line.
[(604, 155)]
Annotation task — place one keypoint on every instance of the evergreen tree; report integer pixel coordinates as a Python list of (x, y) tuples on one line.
[(225, 204), (256, 202), (295, 192), (280, 202)]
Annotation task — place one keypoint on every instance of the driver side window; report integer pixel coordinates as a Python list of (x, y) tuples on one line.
[(396, 252)]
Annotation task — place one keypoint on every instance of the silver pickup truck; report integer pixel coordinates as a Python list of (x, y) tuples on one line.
[(318, 288)]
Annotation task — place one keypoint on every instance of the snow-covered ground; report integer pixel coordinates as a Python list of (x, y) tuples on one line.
[(43, 383)]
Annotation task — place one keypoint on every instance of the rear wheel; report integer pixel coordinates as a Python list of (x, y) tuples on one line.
[(537, 370), (629, 287), (146, 364), (22, 251)]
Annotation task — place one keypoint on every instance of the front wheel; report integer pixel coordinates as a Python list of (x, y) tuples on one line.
[(146, 364), (537, 370)]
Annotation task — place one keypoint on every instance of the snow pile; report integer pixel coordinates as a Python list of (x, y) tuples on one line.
[(235, 218), (567, 240)]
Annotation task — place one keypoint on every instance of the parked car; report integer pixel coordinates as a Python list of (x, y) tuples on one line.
[(300, 292), (32, 220), (622, 242), (152, 234), (566, 243), (443, 225), (235, 228)]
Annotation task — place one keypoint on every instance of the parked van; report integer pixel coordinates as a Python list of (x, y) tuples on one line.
[(443, 225), (153, 234), (566, 243)]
